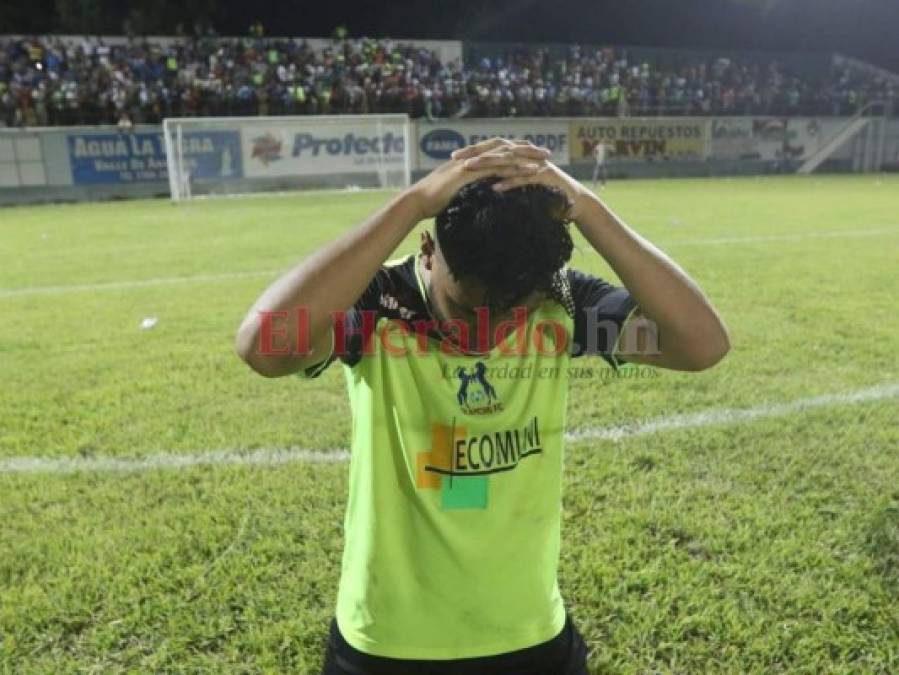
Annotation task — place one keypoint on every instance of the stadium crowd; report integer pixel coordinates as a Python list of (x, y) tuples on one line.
[(46, 81)]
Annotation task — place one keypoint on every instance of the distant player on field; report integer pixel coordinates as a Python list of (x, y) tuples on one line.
[(600, 151), (456, 361)]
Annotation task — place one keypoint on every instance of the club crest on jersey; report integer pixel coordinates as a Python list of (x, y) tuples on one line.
[(475, 395)]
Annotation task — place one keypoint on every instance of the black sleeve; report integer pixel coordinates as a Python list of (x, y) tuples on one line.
[(600, 310), (353, 328)]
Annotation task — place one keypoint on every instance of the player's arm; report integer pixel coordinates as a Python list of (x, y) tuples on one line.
[(335, 276), (675, 325), (690, 334), (329, 280)]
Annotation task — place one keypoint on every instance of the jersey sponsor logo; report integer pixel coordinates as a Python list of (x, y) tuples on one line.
[(459, 465), (266, 149), (476, 396), (387, 301)]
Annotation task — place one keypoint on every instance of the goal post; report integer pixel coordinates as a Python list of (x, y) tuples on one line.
[(208, 156)]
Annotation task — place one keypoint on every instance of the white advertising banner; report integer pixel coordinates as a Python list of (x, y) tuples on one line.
[(436, 140), (309, 148), (771, 138)]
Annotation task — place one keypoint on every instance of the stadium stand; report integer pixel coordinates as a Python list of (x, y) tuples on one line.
[(46, 81)]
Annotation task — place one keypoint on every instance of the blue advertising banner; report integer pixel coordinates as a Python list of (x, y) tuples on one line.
[(140, 157), (438, 140)]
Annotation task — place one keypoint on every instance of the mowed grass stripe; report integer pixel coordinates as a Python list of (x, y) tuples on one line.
[(201, 278), (278, 456)]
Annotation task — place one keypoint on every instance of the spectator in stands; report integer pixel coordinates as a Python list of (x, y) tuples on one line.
[(49, 81)]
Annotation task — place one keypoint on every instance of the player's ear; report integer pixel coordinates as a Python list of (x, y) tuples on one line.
[(427, 249)]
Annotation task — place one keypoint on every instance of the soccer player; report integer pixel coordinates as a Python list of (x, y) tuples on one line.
[(456, 360), (600, 150)]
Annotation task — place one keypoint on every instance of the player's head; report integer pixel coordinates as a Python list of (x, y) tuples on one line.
[(498, 249)]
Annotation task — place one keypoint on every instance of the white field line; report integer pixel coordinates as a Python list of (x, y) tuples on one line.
[(718, 416), (336, 192), (136, 283), (834, 234), (170, 461), (159, 281), (274, 457)]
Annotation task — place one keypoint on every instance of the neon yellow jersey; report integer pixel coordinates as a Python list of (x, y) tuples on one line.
[(452, 525)]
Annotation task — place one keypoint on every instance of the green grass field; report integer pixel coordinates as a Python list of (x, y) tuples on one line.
[(767, 545)]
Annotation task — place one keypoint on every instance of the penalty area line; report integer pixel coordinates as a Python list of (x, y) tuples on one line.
[(276, 457)]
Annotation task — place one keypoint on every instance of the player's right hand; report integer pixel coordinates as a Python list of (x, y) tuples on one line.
[(509, 159)]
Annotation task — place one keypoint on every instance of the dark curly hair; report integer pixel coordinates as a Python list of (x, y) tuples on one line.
[(514, 242)]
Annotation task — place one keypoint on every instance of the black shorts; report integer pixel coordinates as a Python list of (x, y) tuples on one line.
[(565, 654)]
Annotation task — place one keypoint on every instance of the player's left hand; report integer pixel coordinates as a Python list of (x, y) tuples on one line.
[(490, 153)]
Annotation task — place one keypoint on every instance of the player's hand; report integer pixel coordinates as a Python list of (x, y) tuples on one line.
[(506, 159), (546, 173)]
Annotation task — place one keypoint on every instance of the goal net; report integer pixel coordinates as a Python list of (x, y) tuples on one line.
[(240, 155)]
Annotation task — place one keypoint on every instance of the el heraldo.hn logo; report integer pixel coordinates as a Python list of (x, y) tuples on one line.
[(459, 465)]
